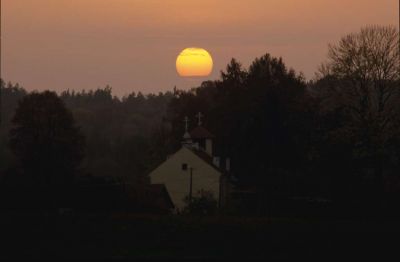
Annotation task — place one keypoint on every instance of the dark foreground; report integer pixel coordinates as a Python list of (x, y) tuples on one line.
[(132, 236)]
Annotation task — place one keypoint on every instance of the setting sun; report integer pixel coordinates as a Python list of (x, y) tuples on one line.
[(194, 62)]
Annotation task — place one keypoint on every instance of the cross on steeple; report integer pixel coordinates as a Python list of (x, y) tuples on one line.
[(199, 117), (186, 120)]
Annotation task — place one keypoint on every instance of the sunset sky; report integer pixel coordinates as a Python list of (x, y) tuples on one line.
[(132, 45)]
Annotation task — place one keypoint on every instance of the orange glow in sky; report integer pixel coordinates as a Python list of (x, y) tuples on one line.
[(132, 45)]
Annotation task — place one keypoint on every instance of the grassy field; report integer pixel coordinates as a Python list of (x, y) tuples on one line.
[(145, 236)]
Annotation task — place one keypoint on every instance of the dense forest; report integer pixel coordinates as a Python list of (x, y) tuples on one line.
[(335, 137), (119, 132)]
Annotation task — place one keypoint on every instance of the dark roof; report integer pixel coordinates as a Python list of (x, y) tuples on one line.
[(207, 158), (200, 132)]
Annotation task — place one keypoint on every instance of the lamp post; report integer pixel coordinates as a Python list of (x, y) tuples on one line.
[(185, 168), (191, 185)]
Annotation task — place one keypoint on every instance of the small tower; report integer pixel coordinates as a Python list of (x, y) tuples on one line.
[(202, 136)]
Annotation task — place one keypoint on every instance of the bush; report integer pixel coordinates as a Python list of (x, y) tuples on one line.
[(203, 203)]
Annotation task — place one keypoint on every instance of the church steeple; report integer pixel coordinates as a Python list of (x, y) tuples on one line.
[(198, 138), (202, 136)]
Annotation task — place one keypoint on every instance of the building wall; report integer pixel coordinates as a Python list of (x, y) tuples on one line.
[(177, 181)]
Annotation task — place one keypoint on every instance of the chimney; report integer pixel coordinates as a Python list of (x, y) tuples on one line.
[(228, 164), (216, 161), (209, 149)]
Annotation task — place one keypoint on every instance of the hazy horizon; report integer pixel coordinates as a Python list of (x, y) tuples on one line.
[(133, 45)]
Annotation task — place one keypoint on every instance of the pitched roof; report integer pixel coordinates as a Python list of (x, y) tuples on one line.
[(206, 158), (200, 132)]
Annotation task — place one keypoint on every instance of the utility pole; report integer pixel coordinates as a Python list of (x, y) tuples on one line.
[(191, 185)]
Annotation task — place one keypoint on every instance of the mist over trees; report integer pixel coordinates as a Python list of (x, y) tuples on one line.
[(336, 137), (121, 134), (119, 131)]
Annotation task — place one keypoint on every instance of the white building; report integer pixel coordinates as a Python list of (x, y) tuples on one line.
[(192, 168)]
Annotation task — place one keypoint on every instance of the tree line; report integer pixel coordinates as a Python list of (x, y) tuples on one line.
[(336, 136), (118, 132)]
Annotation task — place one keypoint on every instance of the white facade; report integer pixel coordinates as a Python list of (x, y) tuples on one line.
[(177, 181)]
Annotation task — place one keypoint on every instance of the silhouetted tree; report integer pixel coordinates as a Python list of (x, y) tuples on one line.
[(11, 94), (125, 137), (46, 141), (359, 86), (262, 119)]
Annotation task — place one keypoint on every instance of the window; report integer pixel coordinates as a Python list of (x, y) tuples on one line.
[(184, 167)]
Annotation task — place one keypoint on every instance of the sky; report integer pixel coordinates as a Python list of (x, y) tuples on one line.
[(132, 45)]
